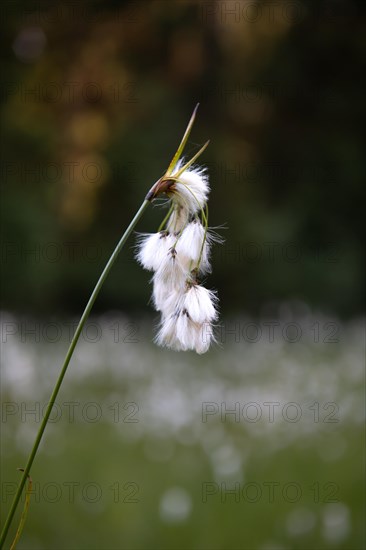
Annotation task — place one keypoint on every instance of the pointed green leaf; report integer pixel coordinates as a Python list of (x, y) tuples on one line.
[(182, 143)]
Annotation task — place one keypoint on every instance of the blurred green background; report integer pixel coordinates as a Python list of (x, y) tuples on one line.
[(95, 99)]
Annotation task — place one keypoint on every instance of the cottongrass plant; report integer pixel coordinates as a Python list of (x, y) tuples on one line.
[(178, 255)]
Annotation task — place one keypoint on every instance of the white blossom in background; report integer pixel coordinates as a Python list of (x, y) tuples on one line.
[(179, 254)]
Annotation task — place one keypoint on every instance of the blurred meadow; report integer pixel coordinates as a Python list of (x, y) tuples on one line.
[(258, 444)]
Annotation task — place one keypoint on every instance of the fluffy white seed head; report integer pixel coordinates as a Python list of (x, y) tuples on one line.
[(199, 303), (166, 297), (171, 271), (204, 338), (153, 249), (191, 189), (190, 242), (178, 332), (159, 295), (167, 334), (186, 331), (178, 219)]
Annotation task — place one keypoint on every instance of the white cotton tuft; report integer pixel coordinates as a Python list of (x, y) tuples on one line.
[(167, 335), (178, 219), (191, 241), (171, 272), (153, 249), (165, 297), (204, 338), (200, 304), (160, 294), (187, 331), (178, 331), (192, 188)]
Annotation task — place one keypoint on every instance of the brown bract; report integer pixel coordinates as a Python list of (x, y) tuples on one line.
[(161, 186)]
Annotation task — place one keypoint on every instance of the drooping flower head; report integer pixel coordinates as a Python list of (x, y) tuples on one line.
[(179, 252)]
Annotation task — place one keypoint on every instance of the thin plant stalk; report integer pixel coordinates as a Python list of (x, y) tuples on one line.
[(69, 354)]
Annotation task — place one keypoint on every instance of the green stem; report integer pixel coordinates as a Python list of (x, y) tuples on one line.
[(74, 341), (166, 218)]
